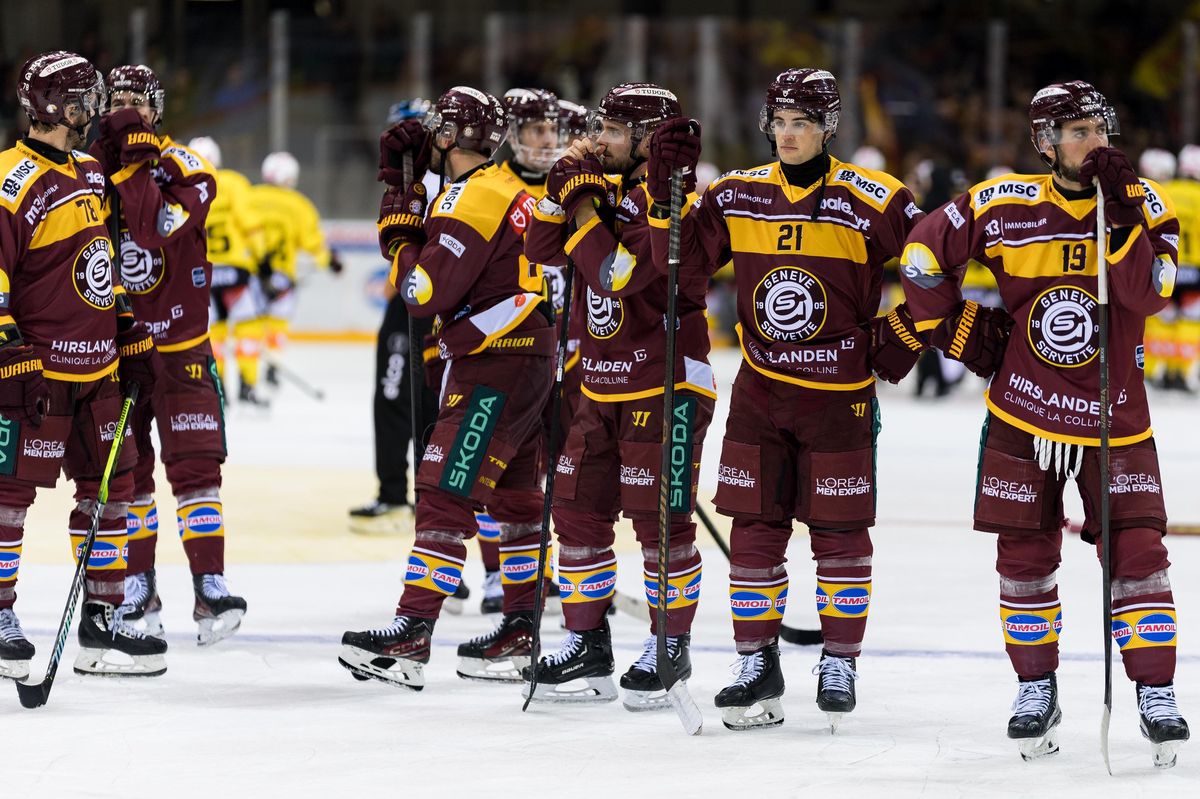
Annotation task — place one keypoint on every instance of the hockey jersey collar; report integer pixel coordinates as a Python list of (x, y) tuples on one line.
[(51, 154)]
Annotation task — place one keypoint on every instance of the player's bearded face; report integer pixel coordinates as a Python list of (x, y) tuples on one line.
[(613, 145), (77, 139), (1078, 138)]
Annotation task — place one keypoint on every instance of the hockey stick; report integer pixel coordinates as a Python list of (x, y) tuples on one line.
[(677, 693), (296, 380), (1105, 527), (36, 695), (552, 448), (416, 376)]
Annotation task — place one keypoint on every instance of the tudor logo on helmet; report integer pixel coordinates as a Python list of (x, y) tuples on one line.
[(52, 84)]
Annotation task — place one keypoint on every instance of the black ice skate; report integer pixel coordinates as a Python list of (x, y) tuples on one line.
[(15, 649), (643, 688), (395, 654), (455, 603), (752, 701), (142, 603), (500, 655), (493, 594), (381, 518), (835, 687), (218, 612), (580, 671), (110, 647), (1161, 723), (1036, 716), (248, 396)]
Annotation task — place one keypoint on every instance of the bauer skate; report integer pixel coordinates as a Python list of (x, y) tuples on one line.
[(142, 603), (1161, 723), (15, 649), (752, 700), (395, 654), (580, 671), (218, 612), (835, 687), (110, 647), (500, 655), (643, 689), (1036, 715)]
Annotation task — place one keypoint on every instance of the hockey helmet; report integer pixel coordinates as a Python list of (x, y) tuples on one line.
[(50, 83), (281, 169), (574, 119), (1189, 161), (812, 92), (638, 106), (137, 79), (1063, 102), (472, 119), (208, 148), (416, 108), (1157, 164), (532, 105)]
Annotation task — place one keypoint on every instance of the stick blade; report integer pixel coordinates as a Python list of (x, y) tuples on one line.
[(800, 637), (1105, 719), (686, 708), (32, 695)]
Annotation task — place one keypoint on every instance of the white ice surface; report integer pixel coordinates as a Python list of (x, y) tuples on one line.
[(270, 712)]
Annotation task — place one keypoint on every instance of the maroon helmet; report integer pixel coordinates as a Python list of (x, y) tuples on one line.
[(812, 92), (525, 106), (475, 120), (50, 83), (138, 79), (574, 119), (1063, 102), (638, 106)]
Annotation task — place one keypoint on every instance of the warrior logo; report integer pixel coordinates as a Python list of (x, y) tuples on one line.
[(605, 315), (789, 304), (141, 270), (93, 274), (1062, 327)]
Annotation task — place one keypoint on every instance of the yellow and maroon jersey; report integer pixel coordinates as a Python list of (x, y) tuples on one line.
[(164, 264), (808, 263), (1041, 246), (534, 183), (472, 271), (56, 268)]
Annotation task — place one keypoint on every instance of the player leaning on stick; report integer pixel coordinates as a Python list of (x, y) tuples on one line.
[(65, 327), (466, 264), (613, 452), (808, 236), (1036, 233)]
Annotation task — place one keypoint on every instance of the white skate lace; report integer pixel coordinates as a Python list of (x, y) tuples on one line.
[(748, 668), (835, 674), (137, 591), (118, 625), (1033, 698), (1157, 703), (10, 627), (649, 659), (398, 625), (568, 649), (492, 586), (213, 586)]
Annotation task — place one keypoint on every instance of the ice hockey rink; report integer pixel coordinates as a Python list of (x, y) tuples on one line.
[(271, 713)]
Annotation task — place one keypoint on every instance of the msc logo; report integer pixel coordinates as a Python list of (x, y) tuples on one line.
[(16, 179), (1007, 188), (870, 188)]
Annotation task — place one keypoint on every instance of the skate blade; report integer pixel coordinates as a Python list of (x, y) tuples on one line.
[(219, 628), (1165, 753), (835, 719), (364, 665), (483, 670), (111, 663), (769, 713), (14, 669), (1034, 748), (685, 708), (645, 701), (584, 690)]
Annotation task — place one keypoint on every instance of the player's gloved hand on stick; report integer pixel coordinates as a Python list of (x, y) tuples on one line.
[(24, 395), (133, 136), (139, 357), (1123, 192), (335, 263), (401, 217), (404, 138), (895, 344), (674, 145), (975, 335), (574, 181)]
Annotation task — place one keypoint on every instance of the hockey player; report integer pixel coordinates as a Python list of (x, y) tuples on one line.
[(612, 455), (65, 326), (1184, 331), (465, 264), (808, 236), (164, 200), (1036, 233)]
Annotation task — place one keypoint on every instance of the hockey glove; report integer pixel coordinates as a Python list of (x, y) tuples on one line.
[(335, 263), (575, 181), (1123, 192), (976, 335), (401, 217), (895, 344), (133, 136), (404, 138), (674, 145), (135, 345), (24, 395)]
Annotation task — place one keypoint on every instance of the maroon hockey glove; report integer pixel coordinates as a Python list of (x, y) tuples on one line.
[(1123, 192), (574, 181), (402, 217), (404, 138), (139, 357), (674, 145), (130, 135), (895, 344), (976, 336), (24, 395)]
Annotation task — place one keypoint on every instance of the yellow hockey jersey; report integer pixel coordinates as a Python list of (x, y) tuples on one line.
[(234, 229), (290, 225), (1185, 194)]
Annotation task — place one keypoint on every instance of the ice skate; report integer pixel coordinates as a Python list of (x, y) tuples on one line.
[(395, 654), (493, 594), (110, 647), (752, 700), (382, 518), (248, 396), (580, 671), (835, 687), (500, 655), (1036, 716), (15, 649), (642, 686), (1161, 723), (142, 603), (456, 602), (218, 612)]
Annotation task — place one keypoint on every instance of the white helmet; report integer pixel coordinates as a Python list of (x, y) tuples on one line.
[(1189, 161), (1156, 164), (281, 169), (208, 148), (869, 157)]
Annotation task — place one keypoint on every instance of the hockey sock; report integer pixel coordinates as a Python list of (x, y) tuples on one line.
[(434, 572), (1031, 620), (12, 523), (248, 349), (683, 587), (843, 587), (143, 534), (276, 333), (1143, 606), (105, 571), (489, 541), (201, 523), (758, 582), (587, 580), (519, 546)]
